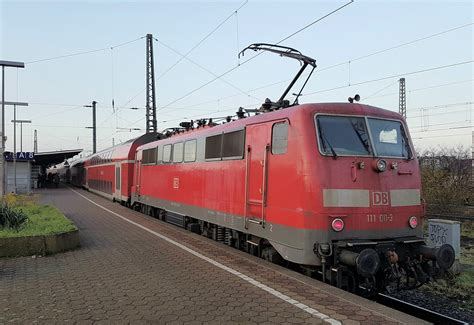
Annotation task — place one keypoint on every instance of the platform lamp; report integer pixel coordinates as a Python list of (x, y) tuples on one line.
[(3, 64)]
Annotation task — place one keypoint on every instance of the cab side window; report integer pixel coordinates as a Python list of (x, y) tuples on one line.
[(280, 138)]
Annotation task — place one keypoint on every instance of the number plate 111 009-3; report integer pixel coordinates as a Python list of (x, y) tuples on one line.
[(379, 217)]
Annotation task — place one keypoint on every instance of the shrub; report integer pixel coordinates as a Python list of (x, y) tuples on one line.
[(447, 176), (11, 218)]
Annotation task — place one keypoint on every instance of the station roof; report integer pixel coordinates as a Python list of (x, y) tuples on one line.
[(54, 157)]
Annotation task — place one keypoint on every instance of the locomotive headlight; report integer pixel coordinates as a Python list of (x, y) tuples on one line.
[(337, 224), (381, 165), (413, 222)]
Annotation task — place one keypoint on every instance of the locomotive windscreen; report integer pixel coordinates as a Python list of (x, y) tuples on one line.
[(389, 138), (343, 135), (349, 135)]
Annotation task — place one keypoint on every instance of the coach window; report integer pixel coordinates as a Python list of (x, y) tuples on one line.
[(280, 138), (233, 145), (159, 153), (167, 153), (213, 147), (178, 152), (190, 151), (152, 156), (145, 157)]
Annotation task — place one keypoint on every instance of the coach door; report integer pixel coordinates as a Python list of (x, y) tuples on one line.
[(118, 181), (256, 173), (138, 171)]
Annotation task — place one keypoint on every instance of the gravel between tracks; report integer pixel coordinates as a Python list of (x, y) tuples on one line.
[(436, 302)]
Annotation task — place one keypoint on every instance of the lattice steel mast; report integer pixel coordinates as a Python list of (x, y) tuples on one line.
[(150, 87), (402, 104)]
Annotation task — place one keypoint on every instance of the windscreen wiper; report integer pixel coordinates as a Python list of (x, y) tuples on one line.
[(326, 141), (405, 143), (359, 135)]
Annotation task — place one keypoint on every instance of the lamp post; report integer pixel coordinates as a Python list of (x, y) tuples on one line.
[(14, 104), (94, 126), (4, 64), (15, 121), (21, 131)]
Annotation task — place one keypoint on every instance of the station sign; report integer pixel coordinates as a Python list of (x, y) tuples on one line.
[(20, 156)]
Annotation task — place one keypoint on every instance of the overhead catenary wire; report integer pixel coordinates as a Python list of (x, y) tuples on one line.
[(426, 129), (340, 64), (202, 40), (203, 68), (274, 83), (441, 136), (314, 22), (236, 35), (330, 67), (85, 52), (380, 90), (391, 77), (372, 80), (411, 42), (41, 116), (112, 76), (443, 105), (253, 57), (359, 83), (190, 50), (65, 126), (426, 88), (465, 110)]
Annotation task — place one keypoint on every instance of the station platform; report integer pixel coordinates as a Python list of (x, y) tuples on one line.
[(136, 269)]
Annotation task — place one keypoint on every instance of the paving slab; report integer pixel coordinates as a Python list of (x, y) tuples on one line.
[(135, 269)]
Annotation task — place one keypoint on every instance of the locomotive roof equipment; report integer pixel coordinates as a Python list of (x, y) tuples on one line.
[(291, 53)]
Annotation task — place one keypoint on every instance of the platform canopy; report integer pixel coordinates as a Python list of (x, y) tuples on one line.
[(51, 158)]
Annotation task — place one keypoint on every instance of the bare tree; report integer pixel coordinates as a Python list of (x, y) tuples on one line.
[(446, 176)]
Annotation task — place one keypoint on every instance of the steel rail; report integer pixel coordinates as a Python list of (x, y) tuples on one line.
[(417, 311)]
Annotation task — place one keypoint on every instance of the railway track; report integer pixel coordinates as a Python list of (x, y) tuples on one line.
[(417, 311)]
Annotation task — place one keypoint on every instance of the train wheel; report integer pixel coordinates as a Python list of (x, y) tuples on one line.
[(270, 254), (162, 215)]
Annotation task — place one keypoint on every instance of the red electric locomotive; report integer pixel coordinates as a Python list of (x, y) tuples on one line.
[(332, 188), (316, 184)]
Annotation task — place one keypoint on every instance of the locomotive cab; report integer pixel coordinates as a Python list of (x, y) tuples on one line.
[(371, 201)]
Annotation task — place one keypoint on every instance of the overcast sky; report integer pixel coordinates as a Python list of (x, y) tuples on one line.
[(439, 101)]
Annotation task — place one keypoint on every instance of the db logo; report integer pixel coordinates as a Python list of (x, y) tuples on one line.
[(380, 198)]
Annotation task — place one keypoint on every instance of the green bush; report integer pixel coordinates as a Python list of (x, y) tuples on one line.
[(11, 218)]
